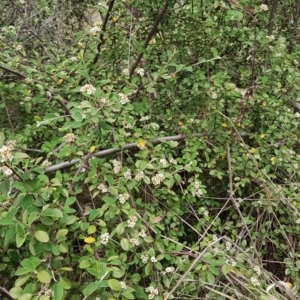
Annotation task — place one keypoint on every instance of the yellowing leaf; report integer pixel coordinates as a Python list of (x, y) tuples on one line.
[(173, 75), (89, 240), (272, 158), (252, 150), (224, 125), (115, 19), (180, 123), (60, 81), (229, 132), (92, 149), (262, 136), (141, 144), (239, 124)]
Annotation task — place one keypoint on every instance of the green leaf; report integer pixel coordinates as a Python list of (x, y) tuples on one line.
[(44, 276), (58, 291), (7, 221), (61, 233), (52, 212), (2, 138), (22, 280), (210, 278), (41, 236), (226, 269), (16, 292), (109, 200), (115, 285), (20, 155), (31, 263), (128, 295), (26, 297), (91, 288), (92, 229), (23, 271), (125, 244)]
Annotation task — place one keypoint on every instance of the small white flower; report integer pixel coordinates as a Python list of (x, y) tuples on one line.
[(153, 259), (170, 269), (46, 163), (298, 221), (255, 281), (102, 187), (104, 238), (264, 7), (73, 58), (144, 258), (117, 166), (94, 30), (19, 48), (142, 233), (139, 176), (123, 197), (257, 270), (163, 162), (88, 88), (123, 285), (6, 171), (127, 174), (126, 71), (270, 37), (69, 138), (123, 98), (297, 115), (134, 242), (141, 72)]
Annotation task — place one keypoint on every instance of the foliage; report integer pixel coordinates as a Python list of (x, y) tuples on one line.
[(149, 150)]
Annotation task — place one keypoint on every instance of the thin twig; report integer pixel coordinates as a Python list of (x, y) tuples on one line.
[(151, 33), (102, 153)]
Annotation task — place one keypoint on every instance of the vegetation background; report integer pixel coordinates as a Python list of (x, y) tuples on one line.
[(149, 149)]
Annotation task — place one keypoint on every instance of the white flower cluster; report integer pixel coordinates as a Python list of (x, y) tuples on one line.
[(153, 259), (170, 269), (142, 233), (139, 176), (126, 71), (46, 163), (104, 238), (173, 161), (123, 285), (6, 171), (117, 166), (141, 72), (264, 7), (123, 98), (88, 88), (145, 118), (19, 48), (94, 30), (297, 115), (228, 245), (127, 174), (28, 80), (134, 242), (123, 197), (196, 191), (46, 291), (5, 203), (144, 258), (73, 58), (270, 37), (157, 179), (152, 292), (5, 151), (132, 221), (257, 270), (163, 162), (102, 187), (255, 281), (69, 138)]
